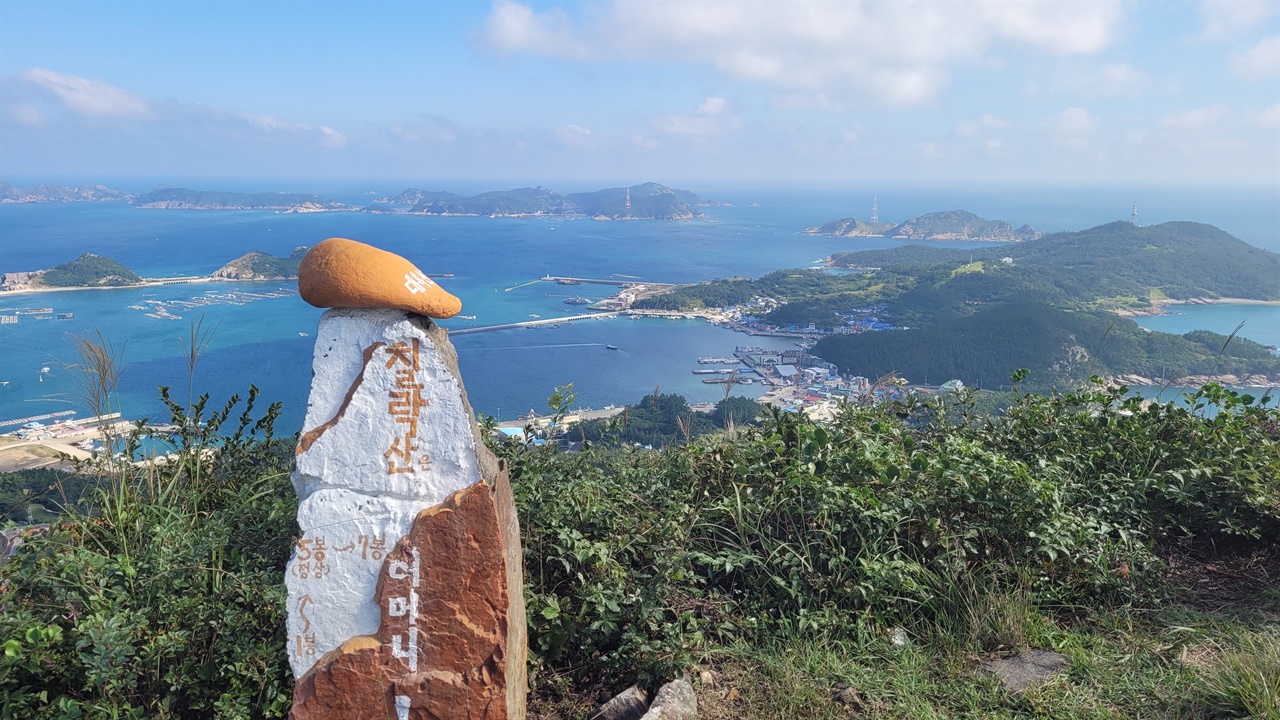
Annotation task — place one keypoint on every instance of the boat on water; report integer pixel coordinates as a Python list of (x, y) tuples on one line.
[(577, 300), (610, 347), (466, 317), (717, 371), (66, 315), (302, 334), (718, 360)]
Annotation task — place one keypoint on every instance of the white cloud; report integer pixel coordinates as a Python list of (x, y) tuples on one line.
[(323, 134), (1121, 79), (427, 129), (91, 98), (1262, 61), (1074, 121), (711, 106), (513, 26), (28, 115), (973, 128), (1195, 119), (574, 136), (1269, 117), (895, 53), (711, 117), (1224, 19)]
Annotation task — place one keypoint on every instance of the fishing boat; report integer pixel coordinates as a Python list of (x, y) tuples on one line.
[(610, 347)]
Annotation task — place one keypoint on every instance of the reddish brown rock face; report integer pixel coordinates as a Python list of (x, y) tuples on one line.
[(441, 651)]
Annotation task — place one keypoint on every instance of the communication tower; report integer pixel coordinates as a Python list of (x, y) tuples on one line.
[(875, 211), (1133, 219), (628, 204)]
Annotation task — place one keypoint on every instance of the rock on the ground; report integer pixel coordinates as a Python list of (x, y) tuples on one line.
[(675, 701), (630, 704), (1027, 669)]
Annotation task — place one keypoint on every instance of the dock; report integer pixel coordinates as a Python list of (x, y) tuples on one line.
[(618, 282), (35, 418), (533, 323)]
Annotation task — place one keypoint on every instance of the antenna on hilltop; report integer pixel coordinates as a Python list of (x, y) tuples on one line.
[(875, 210), (1133, 219), (629, 199)]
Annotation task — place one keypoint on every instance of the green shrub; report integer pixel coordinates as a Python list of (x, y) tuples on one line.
[(908, 514), (164, 598)]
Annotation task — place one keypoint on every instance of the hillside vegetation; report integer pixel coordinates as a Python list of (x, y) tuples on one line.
[(649, 201), (1116, 265), (184, 199), (258, 265), (89, 270), (944, 225), (1070, 522), (1065, 348)]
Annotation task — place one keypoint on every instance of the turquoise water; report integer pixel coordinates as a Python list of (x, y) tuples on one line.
[(1261, 322), (506, 372)]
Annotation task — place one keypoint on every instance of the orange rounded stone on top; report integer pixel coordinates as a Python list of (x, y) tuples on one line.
[(342, 273)]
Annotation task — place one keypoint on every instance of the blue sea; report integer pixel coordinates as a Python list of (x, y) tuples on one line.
[(262, 332)]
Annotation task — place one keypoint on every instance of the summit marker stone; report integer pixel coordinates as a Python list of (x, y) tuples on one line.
[(405, 591)]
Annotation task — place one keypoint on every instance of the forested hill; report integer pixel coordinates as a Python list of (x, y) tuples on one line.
[(89, 270), (648, 201), (183, 199), (1061, 348), (258, 265), (1115, 265)]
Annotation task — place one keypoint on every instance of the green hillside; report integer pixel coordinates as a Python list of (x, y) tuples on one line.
[(184, 199), (1061, 348), (649, 201), (90, 270), (520, 201), (258, 265), (1118, 265)]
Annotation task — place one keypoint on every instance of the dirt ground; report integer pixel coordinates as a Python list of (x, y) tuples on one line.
[(26, 457)]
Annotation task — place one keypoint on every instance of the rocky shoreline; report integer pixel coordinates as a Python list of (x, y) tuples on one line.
[(1161, 307), (1257, 380)]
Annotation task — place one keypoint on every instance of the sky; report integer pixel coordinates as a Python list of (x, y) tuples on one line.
[(725, 91)]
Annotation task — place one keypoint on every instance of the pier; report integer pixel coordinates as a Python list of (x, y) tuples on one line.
[(533, 323), (619, 282), (36, 418)]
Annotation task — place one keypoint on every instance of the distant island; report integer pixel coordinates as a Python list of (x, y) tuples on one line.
[(88, 270), (946, 225), (647, 201), (182, 199), (48, 193), (257, 265), (96, 271)]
